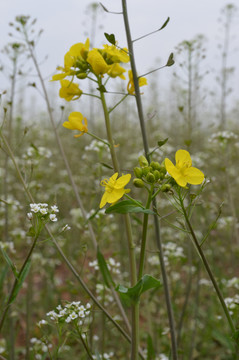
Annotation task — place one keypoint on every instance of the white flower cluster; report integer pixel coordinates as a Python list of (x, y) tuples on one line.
[(105, 356), (96, 146), (173, 250), (70, 312), (222, 136), (233, 282), (39, 347), (43, 210)]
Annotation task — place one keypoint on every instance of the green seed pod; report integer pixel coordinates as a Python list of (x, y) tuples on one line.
[(138, 183), (146, 170), (143, 161), (156, 175), (165, 187), (155, 165), (138, 172), (150, 178)]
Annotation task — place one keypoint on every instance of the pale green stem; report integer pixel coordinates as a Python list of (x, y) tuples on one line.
[(98, 138), (118, 103), (144, 238), (131, 246), (207, 267), (146, 150)]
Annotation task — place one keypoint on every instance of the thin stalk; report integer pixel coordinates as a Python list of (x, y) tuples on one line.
[(131, 246), (207, 267), (146, 150), (118, 103), (144, 238), (98, 138)]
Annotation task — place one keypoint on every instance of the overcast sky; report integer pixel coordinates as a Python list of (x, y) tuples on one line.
[(67, 22)]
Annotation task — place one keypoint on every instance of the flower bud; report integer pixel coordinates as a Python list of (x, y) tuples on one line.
[(138, 172), (150, 178), (165, 187), (146, 170), (143, 161), (81, 75), (138, 183), (155, 165), (156, 175)]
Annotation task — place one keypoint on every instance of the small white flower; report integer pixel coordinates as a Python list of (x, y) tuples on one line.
[(42, 322), (30, 216), (54, 208), (53, 217), (43, 211), (66, 228), (35, 208)]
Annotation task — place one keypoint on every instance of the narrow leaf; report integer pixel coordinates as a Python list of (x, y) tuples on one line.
[(165, 24), (20, 281), (127, 206), (162, 142), (170, 61), (104, 269), (102, 89), (9, 262), (107, 166)]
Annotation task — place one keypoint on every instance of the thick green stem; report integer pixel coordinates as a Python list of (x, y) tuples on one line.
[(146, 150), (207, 267), (132, 260)]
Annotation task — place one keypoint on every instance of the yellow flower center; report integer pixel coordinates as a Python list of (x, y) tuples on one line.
[(108, 185)]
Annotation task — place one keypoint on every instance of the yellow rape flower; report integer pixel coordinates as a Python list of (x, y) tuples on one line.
[(130, 86), (116, 70), (183, 172), (76, 121), (97, 62), (116, 55), (114, 188), (69, 90), (80, 49)]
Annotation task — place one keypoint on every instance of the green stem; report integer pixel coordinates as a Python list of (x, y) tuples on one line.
[(98, 138), (118, 103), (207, 267), (144, 238), (131, 246)]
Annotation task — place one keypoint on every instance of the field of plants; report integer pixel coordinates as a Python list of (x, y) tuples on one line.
[(119, 212)]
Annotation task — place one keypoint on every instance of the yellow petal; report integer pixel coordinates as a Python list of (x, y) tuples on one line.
[(68, 125), (122, 181), (194, 176), (183, 159)]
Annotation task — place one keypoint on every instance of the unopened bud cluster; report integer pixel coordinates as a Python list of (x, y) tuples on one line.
[(150, 173)]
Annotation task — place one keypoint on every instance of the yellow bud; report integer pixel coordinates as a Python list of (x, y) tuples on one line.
[(138, 183), (138, 172), (150, 178), (143, 161)]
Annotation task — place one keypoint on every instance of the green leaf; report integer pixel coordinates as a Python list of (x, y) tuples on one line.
[(110, 38), (165, 24), (150, 349), (20, 281), (170, 61), (130, 296), (162, 142), (127, 206), (107, 166), (9, 262), (104, 269), (224, 340), (102, 89), (3, 275)]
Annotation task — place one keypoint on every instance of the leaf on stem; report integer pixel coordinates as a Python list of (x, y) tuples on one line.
[(104, 269), (110, 38), (9, 262), (127, 206), (162, 142), (20, 281), (170, 61), (102, 89), (130, 296), (164, 24)]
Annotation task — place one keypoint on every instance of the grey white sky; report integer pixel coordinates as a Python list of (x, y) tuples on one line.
[(66, 23)]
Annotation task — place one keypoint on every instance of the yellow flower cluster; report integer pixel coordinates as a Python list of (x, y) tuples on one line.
[(79, 62)]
